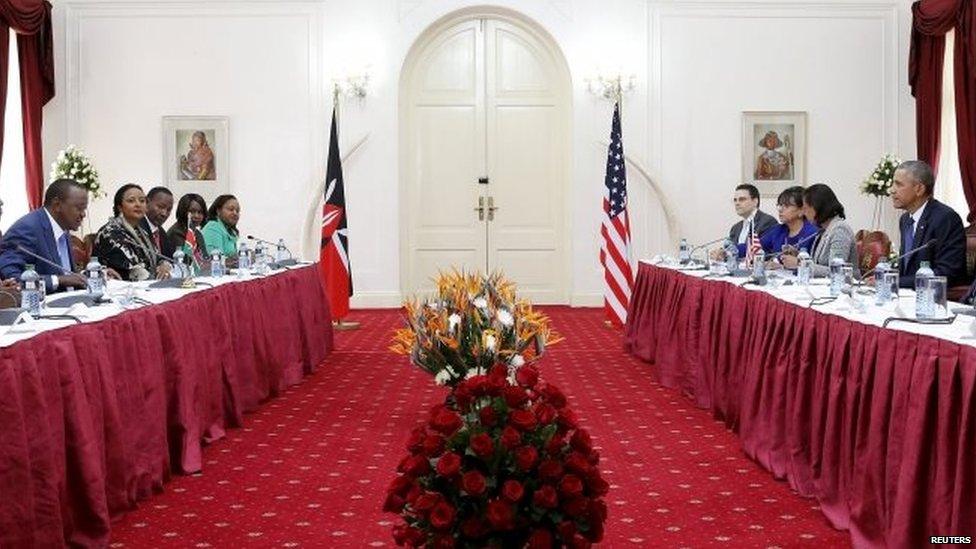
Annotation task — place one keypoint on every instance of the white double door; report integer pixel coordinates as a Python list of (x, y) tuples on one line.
[(487, 159)]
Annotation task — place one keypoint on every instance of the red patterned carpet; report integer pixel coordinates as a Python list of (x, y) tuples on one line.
[(311, 468)]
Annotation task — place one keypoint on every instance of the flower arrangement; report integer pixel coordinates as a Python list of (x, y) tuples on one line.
[(471, 324), (881, 179), (73, 163), (502, 465)]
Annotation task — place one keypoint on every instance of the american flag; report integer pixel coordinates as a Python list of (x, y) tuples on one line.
[(334, 251), (615, 251), (753, 245)]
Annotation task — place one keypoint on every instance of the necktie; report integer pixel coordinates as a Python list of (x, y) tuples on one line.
[(64, 252), (909, 232)]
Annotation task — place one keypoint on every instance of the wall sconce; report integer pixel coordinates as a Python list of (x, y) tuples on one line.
[(611, 87), (352, 85)]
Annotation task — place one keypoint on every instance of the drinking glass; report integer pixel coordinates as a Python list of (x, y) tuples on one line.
[(847, 279), (890, 281), (937, 289)]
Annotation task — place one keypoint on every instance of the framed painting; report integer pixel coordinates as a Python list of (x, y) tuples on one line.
[(195, 154), (774, 150)]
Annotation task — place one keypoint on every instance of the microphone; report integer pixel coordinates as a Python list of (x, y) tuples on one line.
[(796, 246), (705, 245), (927, 245), (283, 263), (44, 260)]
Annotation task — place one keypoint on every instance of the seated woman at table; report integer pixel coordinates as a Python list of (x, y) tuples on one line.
[(191, 212), (220, 232), (122, 246), (794, 230), (821, 206)]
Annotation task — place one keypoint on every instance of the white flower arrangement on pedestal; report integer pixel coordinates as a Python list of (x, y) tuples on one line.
[(882, 178), (73, 163), (879, 184)]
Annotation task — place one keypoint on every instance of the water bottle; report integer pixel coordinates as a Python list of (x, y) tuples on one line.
[(924, 302), (731, 256), (836, 276), (804, 267), (684, 252), (243, 260), (30, 291), (759, 267), (882, 291), (281, 252), (180, 268), (95, 280), (216, 264), (260, 259)]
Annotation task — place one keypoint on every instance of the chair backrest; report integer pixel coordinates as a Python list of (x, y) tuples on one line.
[(971, 252), (80, 251), (871, 247)]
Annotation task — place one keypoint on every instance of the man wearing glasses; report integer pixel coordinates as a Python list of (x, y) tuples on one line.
[(746, 202)]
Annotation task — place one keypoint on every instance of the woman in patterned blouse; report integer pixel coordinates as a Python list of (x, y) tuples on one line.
[(120, 244)]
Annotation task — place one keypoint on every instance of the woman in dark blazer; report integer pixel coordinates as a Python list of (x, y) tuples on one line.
[(191, 212)]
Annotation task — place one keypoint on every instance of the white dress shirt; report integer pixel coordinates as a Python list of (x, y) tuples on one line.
[(746, 224), (917, 216), (57, 232)]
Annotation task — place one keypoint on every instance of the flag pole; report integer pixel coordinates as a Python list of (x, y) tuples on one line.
[(340, 324), (618, 99)]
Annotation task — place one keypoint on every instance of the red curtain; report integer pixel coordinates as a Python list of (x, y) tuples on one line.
[(931, 20), (31, 20)]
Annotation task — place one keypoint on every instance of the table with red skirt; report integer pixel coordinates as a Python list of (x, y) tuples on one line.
[(877, 424), (96, 417)]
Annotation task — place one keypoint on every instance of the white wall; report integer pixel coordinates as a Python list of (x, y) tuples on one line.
[(122, 65)]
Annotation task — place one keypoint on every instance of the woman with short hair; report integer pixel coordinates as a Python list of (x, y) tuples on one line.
[(820, 205), (220, 232)]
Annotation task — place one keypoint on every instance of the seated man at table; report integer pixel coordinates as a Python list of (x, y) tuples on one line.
[(746, 202), (44, 233), (927, 220), (159, 204)]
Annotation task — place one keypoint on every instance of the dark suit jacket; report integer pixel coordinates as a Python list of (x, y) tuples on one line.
[(763, 221), (34, 233), (167, 248), (947, 254)]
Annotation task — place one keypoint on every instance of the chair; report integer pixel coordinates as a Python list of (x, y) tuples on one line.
[(81, 250), (956, 293), (872, 246)]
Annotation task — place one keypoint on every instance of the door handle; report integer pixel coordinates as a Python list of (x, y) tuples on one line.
[(491, 208), (481, 208)]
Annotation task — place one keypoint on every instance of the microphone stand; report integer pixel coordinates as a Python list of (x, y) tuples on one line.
[(50, 263), (291, 256), (691, 254)]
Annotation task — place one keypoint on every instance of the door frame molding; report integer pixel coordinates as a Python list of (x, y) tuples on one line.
[(429, 35)]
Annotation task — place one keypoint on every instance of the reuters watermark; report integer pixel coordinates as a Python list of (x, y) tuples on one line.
[(942, 540)]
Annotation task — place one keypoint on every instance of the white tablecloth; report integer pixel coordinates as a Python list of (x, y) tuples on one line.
[(961, 331), (116, 289)]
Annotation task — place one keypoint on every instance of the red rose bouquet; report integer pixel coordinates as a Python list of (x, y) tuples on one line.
[(500, 465)]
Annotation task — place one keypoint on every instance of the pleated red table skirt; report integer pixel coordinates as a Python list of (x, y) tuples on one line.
[(95, 417), (879, 425)]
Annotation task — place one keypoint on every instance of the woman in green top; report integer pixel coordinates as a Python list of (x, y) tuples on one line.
[(220, 232)]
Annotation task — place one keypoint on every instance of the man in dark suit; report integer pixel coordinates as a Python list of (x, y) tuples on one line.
[(159, 204), (927, 220), (746, 202), (45, 232)]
